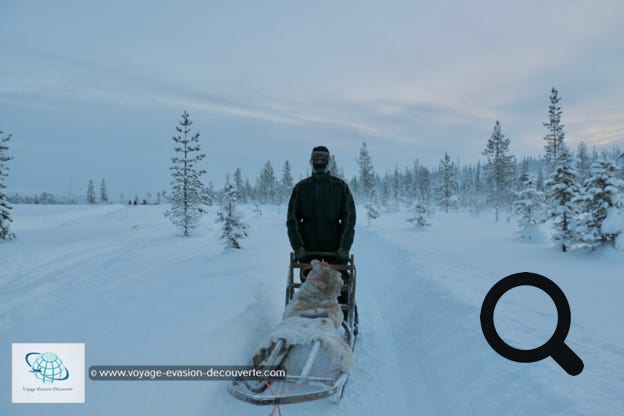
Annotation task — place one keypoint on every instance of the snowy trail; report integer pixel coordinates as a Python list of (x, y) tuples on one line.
[(464, 374), (428, 325), (121, 281), (387, 338), (117, 270), (379, 384)]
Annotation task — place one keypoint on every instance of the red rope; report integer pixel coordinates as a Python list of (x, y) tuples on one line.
[(275, 406)]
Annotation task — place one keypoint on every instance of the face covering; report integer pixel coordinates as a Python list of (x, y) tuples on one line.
[(319, 167), (319, 162)]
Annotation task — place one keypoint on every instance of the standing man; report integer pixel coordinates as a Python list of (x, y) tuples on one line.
[(321, 212)]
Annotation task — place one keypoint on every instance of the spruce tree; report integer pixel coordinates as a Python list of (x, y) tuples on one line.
[(539, 182), (409, 194), (5, 207), (233, 229), (211, 195), (267, 185), (561, 189), (287, 182), (529, 209), (91, 193), (419, 219), (187, 197), (250, 194), (555, 136), (367, 174), (239, 186), (523, 178), (103, 192), (583, 162), (367, 183), (447, 188), (478, 183), (385, 192), (479, 188), (599, 220), (500, 169), (425, 184), (414, 190), (467, 194), (396, 189)]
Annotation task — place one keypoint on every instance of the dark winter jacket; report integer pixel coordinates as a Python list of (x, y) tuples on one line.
[(321, 214)]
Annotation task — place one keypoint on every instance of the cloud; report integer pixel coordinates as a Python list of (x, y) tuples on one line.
[(411, 79)]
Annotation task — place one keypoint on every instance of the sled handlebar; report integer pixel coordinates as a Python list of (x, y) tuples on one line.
[(300, 265), (319, 253)]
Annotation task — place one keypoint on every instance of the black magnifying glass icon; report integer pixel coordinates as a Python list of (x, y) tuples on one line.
[(555, 347)]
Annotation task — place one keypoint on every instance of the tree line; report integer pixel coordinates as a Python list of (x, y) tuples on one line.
[(579, 191)]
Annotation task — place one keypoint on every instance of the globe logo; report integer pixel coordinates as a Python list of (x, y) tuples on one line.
[(47, 367)]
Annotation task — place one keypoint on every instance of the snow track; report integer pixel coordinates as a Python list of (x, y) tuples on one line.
[(387, 349), (120, 280)]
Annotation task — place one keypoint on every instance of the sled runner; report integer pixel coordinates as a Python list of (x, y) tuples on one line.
[(314, 342)]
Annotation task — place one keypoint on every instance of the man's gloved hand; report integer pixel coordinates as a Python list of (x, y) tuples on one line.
[(300, 254), (342, 255)]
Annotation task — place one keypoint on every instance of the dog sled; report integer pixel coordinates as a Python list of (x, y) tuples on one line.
[(315, 341)]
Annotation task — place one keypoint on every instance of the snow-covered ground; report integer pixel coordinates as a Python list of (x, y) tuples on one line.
[(121, 280)]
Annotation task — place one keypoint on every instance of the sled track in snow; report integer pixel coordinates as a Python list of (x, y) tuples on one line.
[(434, 341)]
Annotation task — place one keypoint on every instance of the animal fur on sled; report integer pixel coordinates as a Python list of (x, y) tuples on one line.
[(318, 292), (316, 296)]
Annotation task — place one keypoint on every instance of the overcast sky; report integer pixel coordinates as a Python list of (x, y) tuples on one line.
[(95, 89)]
